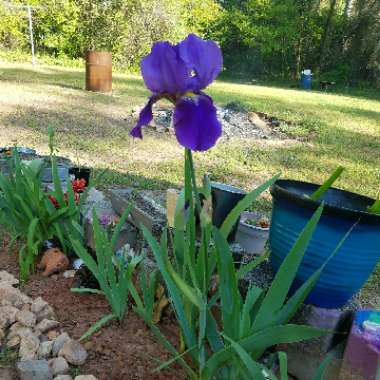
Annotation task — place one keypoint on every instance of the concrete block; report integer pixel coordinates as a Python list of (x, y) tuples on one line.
[(148, 208)]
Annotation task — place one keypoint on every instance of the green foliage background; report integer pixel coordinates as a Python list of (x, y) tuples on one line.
[(337, 39)]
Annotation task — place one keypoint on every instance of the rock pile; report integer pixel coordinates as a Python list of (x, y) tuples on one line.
[(236, 122), (29, 327)]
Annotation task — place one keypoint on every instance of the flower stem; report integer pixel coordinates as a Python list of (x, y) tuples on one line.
[(189, 159)]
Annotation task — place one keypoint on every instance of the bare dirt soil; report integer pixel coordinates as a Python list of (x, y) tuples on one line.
[(117, 352)]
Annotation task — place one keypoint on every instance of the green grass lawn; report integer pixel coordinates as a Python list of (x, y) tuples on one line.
[(93, 130)]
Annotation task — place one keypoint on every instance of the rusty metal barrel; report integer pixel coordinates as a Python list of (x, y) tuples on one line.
[(99, 71)]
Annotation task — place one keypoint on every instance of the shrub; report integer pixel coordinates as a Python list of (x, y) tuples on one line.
[(30, 215), (113, 274)]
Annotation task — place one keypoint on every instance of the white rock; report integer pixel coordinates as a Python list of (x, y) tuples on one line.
[(73, 352), (34, 370), (42, 309), (47, 325), (69, 273), (59, 366), (7, 316), (28, 348), (59, 342), (38, 305), (26, 318), (12, 295), (85, 377), (13, 342), (53, 334), (7, 278), (17, 329), (4, 302), (44, 350), (63, 377), (2, 334)]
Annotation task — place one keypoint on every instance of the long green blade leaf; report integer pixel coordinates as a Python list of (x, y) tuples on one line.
[(375, 208), (327, 184), (258, 342), (280, 286), (253, 367), (282, 358), (87, 290), (97, 326), (228, 287)]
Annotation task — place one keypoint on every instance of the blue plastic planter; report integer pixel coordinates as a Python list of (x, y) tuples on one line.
[(306, 80), (346, 273)]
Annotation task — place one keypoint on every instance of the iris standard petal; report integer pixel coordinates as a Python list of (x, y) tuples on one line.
[(195, 122), (164, 71), (204, 58), (145, 117)]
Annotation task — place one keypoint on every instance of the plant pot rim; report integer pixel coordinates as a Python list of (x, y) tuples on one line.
[(229, 188), (281, 189), (248, 215), (80, 168)]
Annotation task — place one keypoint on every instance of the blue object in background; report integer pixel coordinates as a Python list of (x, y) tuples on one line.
[(306, 79), (350, 268)]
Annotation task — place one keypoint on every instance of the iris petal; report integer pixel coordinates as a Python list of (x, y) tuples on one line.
[(195, 122), (164, 71), (145, 117), (204, 57)]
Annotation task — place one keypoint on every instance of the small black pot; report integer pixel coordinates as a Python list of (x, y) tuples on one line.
[(49, 244), (224, 199), (47, 174), (81, 173)]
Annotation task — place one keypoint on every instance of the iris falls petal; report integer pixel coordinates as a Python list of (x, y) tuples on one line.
[(195, 122), (145, 117)]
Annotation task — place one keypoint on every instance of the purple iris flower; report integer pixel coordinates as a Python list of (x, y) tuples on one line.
[(179, 73)]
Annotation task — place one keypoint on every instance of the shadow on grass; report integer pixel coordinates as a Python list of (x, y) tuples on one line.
[(80, 123), (75, 80)]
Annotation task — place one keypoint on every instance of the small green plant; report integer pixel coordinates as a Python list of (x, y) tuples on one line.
[(8, 356), (113, 274), (28, 213)]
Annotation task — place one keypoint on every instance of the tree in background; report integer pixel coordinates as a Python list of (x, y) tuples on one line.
[(102, 24), (337, 39), (56, 26), (13, 23)]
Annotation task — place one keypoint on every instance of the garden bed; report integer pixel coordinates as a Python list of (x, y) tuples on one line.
[(116, 352)]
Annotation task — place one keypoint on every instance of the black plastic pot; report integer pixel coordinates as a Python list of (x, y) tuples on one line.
[(50, 244), (81, 173), (47, 174), (224, 199)]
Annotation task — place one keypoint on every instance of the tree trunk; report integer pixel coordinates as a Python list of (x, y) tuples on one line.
[(348, 8), (325, 36)]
